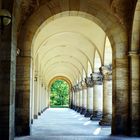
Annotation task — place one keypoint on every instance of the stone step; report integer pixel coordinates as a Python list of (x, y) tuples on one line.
[(76, 138)]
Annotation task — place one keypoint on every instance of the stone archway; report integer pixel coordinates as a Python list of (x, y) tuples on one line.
[(118, 38), (134, 54), (67, 81)]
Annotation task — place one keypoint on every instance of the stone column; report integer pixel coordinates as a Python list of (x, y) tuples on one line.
[(84, 98), (89, 82), (81, 100), (77, 97), (44, 104), (80, 97), (97, 96), (42, 97), (35, 98), (39, 96), (47, 99), (22, 120), (107, 95), (135, 93), (73, 99), (32, 98)]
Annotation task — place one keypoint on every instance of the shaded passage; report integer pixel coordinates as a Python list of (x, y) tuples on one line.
[(65, 124)]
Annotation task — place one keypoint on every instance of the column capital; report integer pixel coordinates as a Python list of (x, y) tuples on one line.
[(89, 81), (134, 53), (40, 77), (98, 78), (36, 76), (42, 84), (83, 84), (76, 88), (80, 85), (107, 72)]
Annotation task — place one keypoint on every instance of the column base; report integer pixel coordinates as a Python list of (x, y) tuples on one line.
[(75, 108), (88, 113), (71, 106), (22, 131), (31, 121), (96, 116), (106, 120), (83, 111), (45, 109), (35, 116), (79, 109)]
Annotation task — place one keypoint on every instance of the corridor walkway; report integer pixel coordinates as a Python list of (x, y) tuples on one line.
[(66, 124)]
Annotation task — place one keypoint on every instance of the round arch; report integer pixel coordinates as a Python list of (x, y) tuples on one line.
[(60, 78), (114, 30)]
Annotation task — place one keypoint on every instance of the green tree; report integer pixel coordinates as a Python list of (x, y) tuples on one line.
[(59, 93)]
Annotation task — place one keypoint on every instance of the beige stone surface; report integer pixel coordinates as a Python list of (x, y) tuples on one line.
[(60, 38)]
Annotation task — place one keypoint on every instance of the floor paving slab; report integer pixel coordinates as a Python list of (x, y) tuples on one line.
[(66, 124)]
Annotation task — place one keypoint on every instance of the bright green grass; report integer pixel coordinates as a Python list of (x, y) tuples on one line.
[(59, 106)]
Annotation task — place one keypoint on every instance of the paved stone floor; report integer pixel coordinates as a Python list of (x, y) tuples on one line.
[(66, 124)]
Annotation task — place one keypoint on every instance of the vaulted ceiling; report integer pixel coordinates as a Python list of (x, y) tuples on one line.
[(65, 43)]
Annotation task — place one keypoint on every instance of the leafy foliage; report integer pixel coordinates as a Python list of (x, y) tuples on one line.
[(59, 93)]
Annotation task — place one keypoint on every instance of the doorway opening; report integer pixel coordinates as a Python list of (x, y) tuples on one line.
[(59, 97)]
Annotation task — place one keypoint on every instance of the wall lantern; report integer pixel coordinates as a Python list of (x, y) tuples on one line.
[(18, 51), (5, 18)]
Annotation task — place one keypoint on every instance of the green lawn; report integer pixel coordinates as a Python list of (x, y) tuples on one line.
[(59, 106)]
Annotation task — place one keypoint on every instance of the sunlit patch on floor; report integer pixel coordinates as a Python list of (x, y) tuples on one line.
[(81, 119), (97, 131), (76, 116), (87, 123)]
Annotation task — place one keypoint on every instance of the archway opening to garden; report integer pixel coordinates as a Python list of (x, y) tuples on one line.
[(59, 97)]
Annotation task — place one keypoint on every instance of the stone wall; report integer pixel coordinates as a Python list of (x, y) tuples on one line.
[(7, 75)]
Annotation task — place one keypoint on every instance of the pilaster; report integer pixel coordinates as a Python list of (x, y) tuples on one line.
[(35, 97), (135, 92), (23, 104), (7, 77)]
